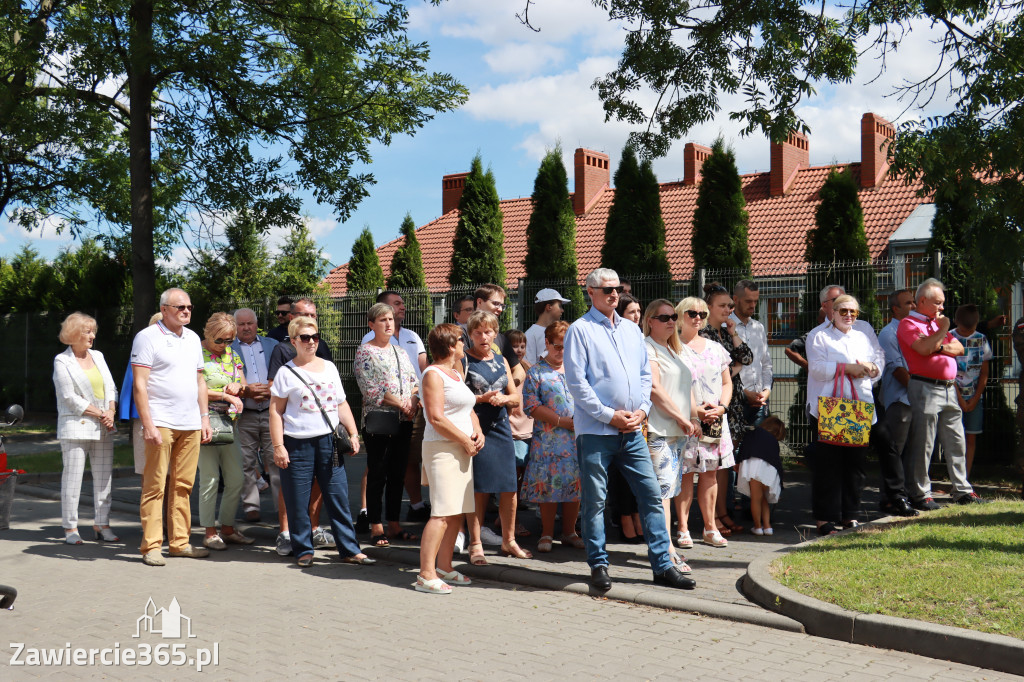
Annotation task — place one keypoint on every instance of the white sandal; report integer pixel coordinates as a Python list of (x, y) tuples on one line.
[(454, 577), (545, 543), (105, 535), (683, 540), (714, 538), (73, 538), (435, 586)]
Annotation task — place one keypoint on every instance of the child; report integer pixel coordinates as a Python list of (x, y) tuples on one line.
[(971, 373), (759, 471), (522, 425)]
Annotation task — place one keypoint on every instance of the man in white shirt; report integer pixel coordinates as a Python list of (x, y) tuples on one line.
[(757, 376), (548, 307), (170, 395)]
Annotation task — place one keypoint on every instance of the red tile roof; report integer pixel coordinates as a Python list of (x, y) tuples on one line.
[(777, 228)]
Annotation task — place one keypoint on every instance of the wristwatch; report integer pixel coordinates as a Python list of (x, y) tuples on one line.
[(942, 348)]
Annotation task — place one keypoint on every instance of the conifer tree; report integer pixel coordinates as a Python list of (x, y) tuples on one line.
[(407, 263), (300, 266), (364, 271), (720, 219), (551, 237), (479, 255)]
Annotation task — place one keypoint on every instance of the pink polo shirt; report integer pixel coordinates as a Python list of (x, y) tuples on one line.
[(934, 366)]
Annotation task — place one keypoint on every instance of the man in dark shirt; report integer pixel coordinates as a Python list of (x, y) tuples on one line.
[(285, 351), (284, 309)]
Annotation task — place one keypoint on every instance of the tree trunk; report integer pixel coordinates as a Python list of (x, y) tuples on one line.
[(140, 80)]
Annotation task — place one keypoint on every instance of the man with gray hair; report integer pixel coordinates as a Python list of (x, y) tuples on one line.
[(609, 376), (930, 351), (254, 421)]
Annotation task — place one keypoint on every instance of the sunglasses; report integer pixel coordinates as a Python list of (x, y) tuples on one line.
[(306, 338), (848, 312), (694, 314), (609, 290), (180, 308), (665, 318), (558, 346), (281, 313), (220, 341)]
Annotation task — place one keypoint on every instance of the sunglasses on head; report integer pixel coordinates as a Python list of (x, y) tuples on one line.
[(695, 314), (666, 318), (306, 338), (848, 312), (220, 341), (180, 308)]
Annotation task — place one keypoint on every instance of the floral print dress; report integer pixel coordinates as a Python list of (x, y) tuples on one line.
[(707, 367), (553, 472), (740, 355)]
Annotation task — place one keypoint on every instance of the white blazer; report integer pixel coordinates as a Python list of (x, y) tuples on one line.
[(74, 395)]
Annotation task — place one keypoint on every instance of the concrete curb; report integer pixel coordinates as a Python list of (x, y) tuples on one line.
[(47, 494), (995, 652), (625, 592)]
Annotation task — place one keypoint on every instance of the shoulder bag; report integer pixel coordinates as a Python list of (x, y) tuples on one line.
[(844, 421), (385, 422), (342, 443)]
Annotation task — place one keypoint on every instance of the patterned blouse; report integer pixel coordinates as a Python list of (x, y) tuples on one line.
[(377, 372), (741, 355), (218, 372)]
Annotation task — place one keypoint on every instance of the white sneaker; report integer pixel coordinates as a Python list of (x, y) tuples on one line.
[(284, 543), (489, 537), (323, 538), (460, 543)]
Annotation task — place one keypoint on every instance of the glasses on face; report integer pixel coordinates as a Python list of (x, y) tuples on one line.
[(558, 346), (608, 291), (666, 318), (730, 305), (498, 304), (306, 338), (848, 312), (180, 308), (282, 313), (695, 314), (223, 341)]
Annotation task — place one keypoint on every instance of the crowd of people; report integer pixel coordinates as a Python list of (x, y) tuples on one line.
[(631, 407)]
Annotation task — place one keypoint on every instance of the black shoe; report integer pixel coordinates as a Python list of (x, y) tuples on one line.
[(927, 504), (362, 522), (600, 580), (970, 498), (898, 507), (673, 578), (418, 515)]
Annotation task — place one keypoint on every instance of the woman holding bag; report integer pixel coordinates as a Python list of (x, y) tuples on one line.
[(388, 383), (839, 356)]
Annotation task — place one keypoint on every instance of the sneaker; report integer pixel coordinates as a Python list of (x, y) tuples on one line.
[(190, 552), (362, 522), (261, 484), (489, 537), (460, 543), (323, 538), (927, 504), (284, 543), (971, 498), (418, 515)]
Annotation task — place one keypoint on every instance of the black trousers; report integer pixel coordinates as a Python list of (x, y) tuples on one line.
[(837, 479), (386, 457), (889, 438)]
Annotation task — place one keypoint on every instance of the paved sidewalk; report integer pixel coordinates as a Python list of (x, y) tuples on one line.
[(266, 619)]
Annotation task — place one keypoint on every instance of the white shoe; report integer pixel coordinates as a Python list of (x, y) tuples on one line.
[(460, 543), (769, 531), (683, 540), (757, 531), (489, 537), (715, 539)]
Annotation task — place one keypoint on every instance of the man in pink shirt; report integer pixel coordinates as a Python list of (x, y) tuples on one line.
[(929, 351)]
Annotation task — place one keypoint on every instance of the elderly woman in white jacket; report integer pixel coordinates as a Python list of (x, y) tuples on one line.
[(86, 403)]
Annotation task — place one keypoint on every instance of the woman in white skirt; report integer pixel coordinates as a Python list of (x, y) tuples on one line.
[(451, 438), (759, 471)]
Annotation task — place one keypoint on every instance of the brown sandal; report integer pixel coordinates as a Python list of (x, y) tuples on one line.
[(731, 525), (477, 559)]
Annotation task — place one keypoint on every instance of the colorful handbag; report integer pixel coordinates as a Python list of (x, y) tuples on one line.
[(844, 421)]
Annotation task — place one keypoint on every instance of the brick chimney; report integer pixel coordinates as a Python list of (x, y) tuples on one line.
[(451, 191), (787, 158), (875, 134), (694, 156), (592, 177)]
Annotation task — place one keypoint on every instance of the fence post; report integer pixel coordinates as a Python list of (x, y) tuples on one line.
[(938, 266), (27, 317), (521, 303), (702, 275)]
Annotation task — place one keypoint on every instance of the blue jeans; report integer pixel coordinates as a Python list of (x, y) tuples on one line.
[(312, 458), (629, 453)]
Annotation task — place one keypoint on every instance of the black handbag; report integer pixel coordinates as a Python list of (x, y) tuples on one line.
[(341, 440), (385, 422)]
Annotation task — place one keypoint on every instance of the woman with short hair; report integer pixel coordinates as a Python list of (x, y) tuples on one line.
[(86, 399), (451, 439)]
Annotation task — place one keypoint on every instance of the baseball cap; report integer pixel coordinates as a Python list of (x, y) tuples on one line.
[(545, 295)]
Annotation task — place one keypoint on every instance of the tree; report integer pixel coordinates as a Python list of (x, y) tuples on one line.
[(89, 278), (213, 89), (634, 236), (27, 283), (407, 262), (247, 271), (551, 235), (364, 271), (300, 266), (479, 255), (720, 219)]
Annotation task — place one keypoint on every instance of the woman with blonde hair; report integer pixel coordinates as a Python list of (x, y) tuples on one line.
[(225, 382), (86, 400)]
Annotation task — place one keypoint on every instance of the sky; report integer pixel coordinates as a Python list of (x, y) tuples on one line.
[(532, 90)]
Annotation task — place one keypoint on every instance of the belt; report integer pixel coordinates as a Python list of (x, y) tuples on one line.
[(936, 382)]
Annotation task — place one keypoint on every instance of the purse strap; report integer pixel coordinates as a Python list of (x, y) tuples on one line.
[(398, 363), (838, 385), (323, 412)]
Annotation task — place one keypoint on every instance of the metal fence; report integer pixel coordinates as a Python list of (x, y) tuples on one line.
[(787, 306)]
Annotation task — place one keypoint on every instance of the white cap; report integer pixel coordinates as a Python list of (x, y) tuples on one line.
[(545, 295)]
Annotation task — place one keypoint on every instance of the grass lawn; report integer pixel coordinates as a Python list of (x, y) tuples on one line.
[(960, 566), (46, 462)]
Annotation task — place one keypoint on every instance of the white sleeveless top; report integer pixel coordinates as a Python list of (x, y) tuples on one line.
[(676, 379), (458, 405)]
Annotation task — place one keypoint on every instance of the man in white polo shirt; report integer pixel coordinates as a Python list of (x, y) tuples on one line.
[(170, 395)]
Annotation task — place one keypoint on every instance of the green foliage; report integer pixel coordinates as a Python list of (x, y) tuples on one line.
[(407, 262), (720, 219), (88, 278), (838, 234), (300, 266), (551, 236), (247, 271), (479, 255), (364, 271), (27, 283)]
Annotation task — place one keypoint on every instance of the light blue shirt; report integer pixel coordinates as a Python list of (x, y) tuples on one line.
[(892, 390), (607, 369)]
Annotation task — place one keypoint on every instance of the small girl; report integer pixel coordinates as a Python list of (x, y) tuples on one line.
[(759, 471)]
